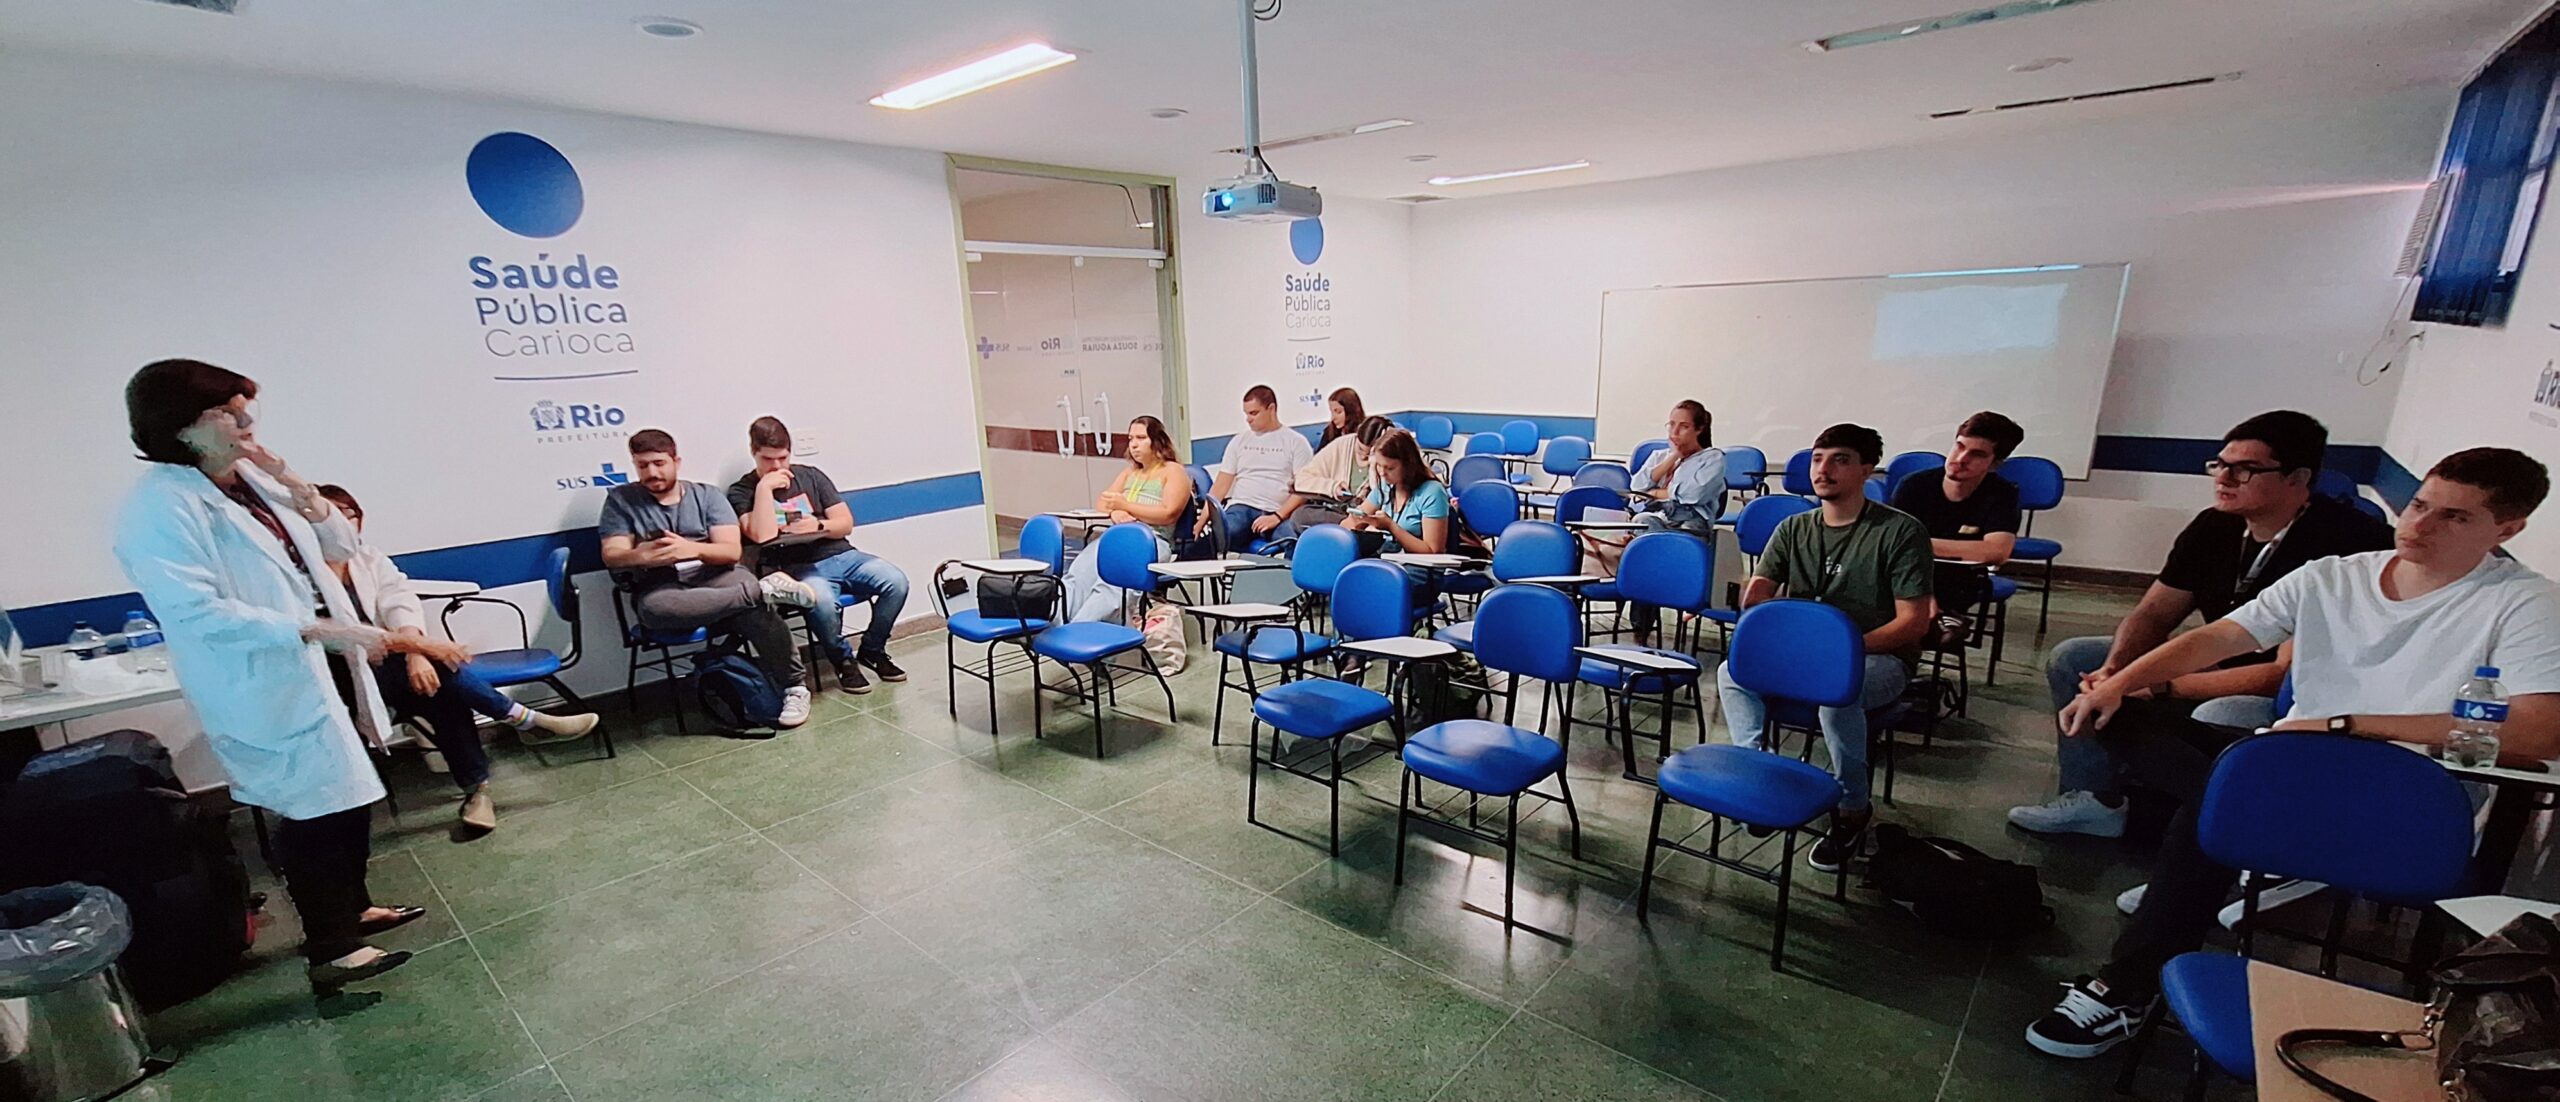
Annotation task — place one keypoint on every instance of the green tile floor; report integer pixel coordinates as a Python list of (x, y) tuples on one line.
[(890, 904)]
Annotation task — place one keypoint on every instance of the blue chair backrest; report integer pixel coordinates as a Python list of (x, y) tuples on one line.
[(1744, 467), (1535, 549), (1669, 569), (2365, 505), (1127, 550), (2334, 484), (1489, 507), (1520, 437), (1907, 464), (1565, 455), (1609, 475), (2284, 696), (1200, 479), (1643, 453), (1484, 443), (1760, 517), (2039, 481), (1045, 539), (1799, 650), (1472, 469), (1529, 630), (1434, 432), (1373, 600), (1875, 490), (556, 584), (1799, 476), (1323, 551), (1583, 499), (2356, 813)]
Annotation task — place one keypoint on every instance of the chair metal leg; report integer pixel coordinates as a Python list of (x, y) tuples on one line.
[(951, 672), (1161, 683), (1253, 765), (1510, 857), (2044, 599), (1101, 677), (2197, 1075), (1652, 848), (1573, 816), (1333, 747), (1999, 644), (1786, 889), (1404, 814), (1039, 726), (2136, 1046), (1218, 709)]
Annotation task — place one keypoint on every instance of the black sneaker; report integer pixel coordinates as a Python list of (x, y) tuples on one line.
[(883, 665), (849, 677), (2089, 1021), (1837, 847)]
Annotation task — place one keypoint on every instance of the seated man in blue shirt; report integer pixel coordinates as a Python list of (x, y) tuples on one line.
[(1685, 488)]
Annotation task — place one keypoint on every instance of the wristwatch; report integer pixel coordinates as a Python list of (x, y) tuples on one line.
[(2342, 725)]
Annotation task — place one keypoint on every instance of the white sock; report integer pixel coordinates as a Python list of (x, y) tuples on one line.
[(519, 717)]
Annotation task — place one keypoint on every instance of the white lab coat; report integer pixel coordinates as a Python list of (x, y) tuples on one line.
[(233, 607)]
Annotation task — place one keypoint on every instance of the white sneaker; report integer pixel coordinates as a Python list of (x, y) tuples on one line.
[(795, 707), (2130, 899), (2282, 893), (783, 589), (2070, 813)]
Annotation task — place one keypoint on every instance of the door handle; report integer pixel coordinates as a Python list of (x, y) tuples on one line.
[(1102, 425), (1066, 426)]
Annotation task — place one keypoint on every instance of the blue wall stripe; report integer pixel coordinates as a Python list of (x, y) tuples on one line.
[(520, 559), (2394, 482)]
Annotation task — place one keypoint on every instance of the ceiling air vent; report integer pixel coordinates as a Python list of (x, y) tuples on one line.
[(1416, 198), (221, 7), (2084, 97)]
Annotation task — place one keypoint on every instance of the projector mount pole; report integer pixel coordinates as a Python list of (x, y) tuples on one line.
[(1252, 95)]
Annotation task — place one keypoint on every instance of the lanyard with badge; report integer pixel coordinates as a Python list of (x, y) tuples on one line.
[(1831, 558), (2247, 583)]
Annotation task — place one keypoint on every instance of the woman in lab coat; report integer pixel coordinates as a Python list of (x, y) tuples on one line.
[(230, 550)]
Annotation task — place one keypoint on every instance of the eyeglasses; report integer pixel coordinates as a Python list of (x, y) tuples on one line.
[(2240, 473)]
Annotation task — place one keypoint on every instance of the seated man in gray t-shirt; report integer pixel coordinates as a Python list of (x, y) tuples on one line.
[(676, 544)]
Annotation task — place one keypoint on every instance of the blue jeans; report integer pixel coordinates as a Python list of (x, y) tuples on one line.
[(2087, 766), (865, 576), (447, 715), (1088, 598), (1844, 730), (1238, 520)]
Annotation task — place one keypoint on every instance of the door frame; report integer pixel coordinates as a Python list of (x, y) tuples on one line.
[(1177, 372)]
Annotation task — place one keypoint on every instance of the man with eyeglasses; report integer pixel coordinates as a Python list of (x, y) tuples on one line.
[(2264, 523)]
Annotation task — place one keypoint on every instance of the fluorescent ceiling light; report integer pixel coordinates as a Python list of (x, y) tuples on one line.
[(1895, 32), (986, 72), (1445, 181), (1330, 135)]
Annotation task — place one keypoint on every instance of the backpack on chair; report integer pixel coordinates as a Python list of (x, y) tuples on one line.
[(734, 691)]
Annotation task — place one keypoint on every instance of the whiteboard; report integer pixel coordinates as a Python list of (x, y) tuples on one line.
[(1909, 355)]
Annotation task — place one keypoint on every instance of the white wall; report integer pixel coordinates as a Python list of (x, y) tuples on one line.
[(315, 236), (2472, 387), (2262, 245), (1237, 315)]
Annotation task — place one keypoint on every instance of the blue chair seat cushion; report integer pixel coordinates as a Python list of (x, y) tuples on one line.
[(977, 628), (1754, 786), (1465, 583), (1090, 642), (1482, 756), (2003, 587), (2209, 992), (1318, 707), (2036, 549), (1461, 635), (1723, 615), (660, 637), (514, 667), (1276, 643), (1610, 675), (1601, 591)]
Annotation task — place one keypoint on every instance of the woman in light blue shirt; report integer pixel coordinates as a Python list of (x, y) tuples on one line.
[(1405, 502), (1688, 478)]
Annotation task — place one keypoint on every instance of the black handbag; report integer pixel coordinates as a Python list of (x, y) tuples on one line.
[(2494, 1024), (1018, 596)]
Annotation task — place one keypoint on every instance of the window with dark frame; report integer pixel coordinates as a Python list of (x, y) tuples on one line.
[(2497, 161)]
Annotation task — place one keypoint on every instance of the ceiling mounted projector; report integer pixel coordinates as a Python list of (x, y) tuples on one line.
[(1259, 195)]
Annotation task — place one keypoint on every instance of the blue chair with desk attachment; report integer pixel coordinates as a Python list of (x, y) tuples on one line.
[(527, 664), (1374, 602), (1032, 593)]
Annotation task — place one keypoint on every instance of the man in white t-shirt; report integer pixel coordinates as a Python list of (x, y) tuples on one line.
[(2380, 640), (1250, 484)]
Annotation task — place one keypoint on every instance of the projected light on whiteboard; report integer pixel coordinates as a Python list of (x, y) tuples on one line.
[(1968, 320)]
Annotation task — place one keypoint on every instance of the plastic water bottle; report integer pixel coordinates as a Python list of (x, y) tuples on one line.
[(144, 648), (2479, 708), (84, 641)]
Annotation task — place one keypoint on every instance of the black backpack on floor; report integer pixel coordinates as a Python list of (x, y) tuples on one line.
[(1955, 889), (109, 811)]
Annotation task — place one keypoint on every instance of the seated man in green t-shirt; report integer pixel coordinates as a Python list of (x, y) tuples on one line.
[(1864, 558)]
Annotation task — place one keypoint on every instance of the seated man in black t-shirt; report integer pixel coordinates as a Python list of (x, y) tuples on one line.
[(1971, 512), (2265, 521), (798, 522)]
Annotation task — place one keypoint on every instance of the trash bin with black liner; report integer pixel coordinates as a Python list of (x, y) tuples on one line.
[(69, 1032)]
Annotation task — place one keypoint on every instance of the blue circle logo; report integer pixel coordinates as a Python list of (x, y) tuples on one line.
[(523, 184), (1306, 239)]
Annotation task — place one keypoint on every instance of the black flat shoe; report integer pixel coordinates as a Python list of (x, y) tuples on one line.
[(326, 979), (400, 916)]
